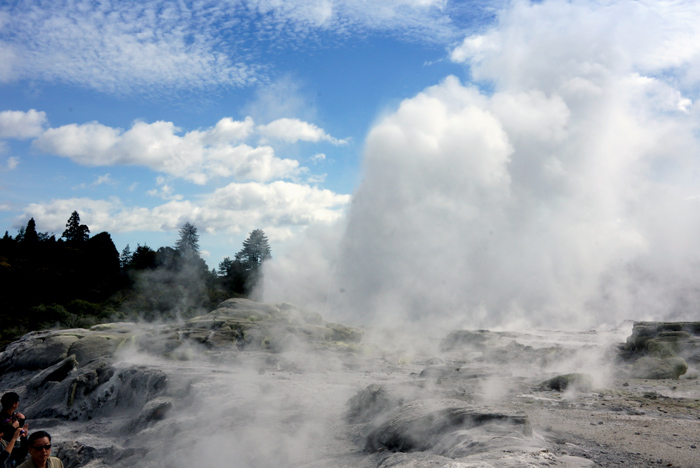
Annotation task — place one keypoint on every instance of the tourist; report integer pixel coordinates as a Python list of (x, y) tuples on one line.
[(40, 452), (13, 440), (10, 402)]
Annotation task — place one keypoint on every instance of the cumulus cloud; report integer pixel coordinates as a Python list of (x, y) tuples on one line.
[(22, 125), (281, 207), (293, 130), (278, 203), (197, 155), (228, 130), (562, 197)]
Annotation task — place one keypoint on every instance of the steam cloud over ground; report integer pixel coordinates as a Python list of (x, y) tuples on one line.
[(562, 190)]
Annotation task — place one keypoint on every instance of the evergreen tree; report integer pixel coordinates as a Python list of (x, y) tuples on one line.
[(225, 266), (143, 257), (169, 258), (99, 267), (30, 234), (256, 250), (233, 275), (188, 243), (75, 232), (125, 257), (245, 271), (46, 237)]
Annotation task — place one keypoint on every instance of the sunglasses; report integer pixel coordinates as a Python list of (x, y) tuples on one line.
[(42, 447)]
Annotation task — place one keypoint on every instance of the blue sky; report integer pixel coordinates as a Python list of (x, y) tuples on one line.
[(327, 68)]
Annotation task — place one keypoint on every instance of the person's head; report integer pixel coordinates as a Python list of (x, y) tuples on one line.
[(39, 444), (10, 401)]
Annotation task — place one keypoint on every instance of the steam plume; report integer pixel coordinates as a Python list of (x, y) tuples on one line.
[(567, 196)]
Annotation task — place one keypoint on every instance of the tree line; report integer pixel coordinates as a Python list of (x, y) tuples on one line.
[(78, 281)]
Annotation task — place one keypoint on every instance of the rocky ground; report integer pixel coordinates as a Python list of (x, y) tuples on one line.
[(637, 425), (263, 385)]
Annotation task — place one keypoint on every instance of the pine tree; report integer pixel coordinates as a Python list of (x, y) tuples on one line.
[(256, 250), (143, 257), (75, 232), (125, 257), (188, 243), (225, 267), (30, 234)]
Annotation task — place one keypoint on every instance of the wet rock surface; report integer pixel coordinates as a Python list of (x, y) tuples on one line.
[(275, 327), (263, 385), (442, 428), (560, 383), (662, 350), (649, 367), (665, 339)]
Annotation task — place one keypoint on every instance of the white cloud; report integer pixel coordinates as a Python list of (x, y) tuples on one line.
[(155, 45), (293, 130), (103, 179), (100, 180), (118, 46), (21, 125), (237, 207), (316, 179), (52, 216), (164, 190), (417, 19), (317, 158), (276, 204), (87, 144), (11, 163), (8, 62), (473, 48), (281, 98), (228, 130), (196, 156)]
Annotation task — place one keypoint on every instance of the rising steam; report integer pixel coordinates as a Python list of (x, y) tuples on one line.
[(565, 196)]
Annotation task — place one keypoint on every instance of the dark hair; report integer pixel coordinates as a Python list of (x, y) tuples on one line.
[(37, 435), (8, 430), (9, 399)]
